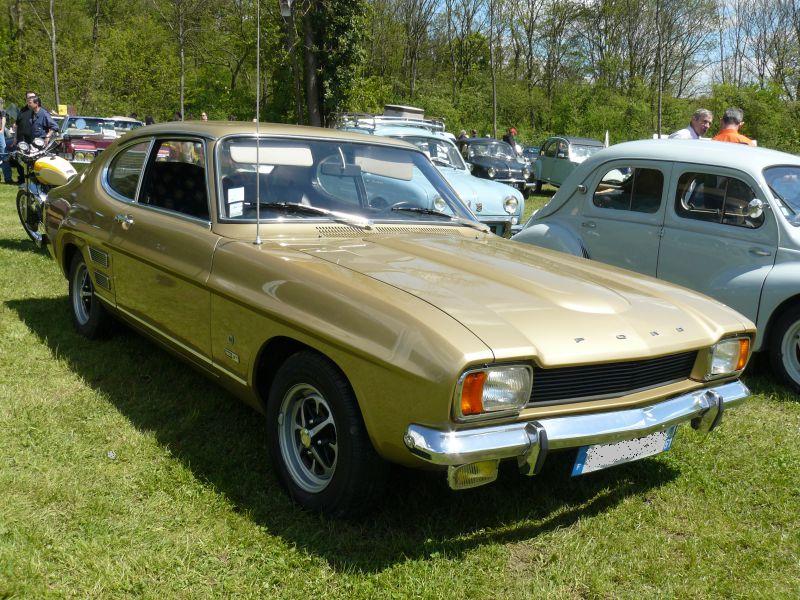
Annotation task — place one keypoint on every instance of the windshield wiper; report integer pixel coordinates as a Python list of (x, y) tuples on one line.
[(339, 217), (429, 211)]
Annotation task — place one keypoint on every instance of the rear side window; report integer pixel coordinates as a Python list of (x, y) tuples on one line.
[(126, 168), (630, 188), (715, 198)]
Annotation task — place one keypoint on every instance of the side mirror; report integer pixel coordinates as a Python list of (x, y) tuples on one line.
[(755, 208)]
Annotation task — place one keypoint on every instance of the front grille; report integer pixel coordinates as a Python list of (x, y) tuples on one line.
[(567, 384)]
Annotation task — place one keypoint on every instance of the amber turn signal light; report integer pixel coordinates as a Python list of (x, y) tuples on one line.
[(744, 353), (472, 393)]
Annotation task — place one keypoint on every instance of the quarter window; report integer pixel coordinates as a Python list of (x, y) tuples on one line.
[(125, 169), (176, 178), (715, 198), (551, 149), (630, 188)]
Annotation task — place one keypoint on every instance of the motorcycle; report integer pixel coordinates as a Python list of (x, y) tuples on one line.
[(43, 171)]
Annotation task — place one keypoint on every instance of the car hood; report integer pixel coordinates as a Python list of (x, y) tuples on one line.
[(473, 189), (522, 301)]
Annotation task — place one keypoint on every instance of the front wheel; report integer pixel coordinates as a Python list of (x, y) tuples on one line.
[(317, 440), (784, 348), (30, 214)]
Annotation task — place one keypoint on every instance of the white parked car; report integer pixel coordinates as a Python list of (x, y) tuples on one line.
[(718, 218)]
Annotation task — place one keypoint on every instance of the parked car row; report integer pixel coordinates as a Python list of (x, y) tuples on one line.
[(336, 282), (83, 138)]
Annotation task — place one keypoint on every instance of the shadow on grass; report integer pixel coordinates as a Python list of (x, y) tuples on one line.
[(222, 442), (21, 245)]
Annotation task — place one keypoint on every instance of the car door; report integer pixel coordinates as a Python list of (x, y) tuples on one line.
[(709, 243), (162, 246), (623, 212), (546, 160), (562, 166)]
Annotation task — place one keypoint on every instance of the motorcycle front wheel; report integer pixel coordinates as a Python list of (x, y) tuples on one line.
[(29, 215)]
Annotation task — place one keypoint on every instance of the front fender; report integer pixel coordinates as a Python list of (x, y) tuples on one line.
[(552, 236)]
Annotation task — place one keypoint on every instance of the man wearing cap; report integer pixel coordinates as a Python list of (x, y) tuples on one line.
[(510, 137)]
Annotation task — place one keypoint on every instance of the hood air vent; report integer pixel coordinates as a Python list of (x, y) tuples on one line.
[(345, 231)]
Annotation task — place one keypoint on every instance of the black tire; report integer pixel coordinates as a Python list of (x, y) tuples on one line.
[(30, 220), (89, 316), (537, 188), (784, 348), (334, 470)]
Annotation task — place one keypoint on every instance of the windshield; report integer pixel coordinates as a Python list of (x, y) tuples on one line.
[(581, 153), (123, 125), (785, 181), (440, 151), (492, 148), (74, 126), (368, 181)]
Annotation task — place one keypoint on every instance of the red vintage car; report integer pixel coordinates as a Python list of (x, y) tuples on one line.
[(83, 138)]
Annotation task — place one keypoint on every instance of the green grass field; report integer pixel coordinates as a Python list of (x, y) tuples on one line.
[(123, 473)]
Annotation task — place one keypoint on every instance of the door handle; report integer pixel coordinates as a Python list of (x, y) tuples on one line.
[(589, 224), (760, 252), (125, 220)]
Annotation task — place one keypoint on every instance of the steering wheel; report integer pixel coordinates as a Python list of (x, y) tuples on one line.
[(438, 160)]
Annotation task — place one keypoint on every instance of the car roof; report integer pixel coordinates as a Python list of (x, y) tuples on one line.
[(581, 141), (218, 129), (707, 152), (406, 131)]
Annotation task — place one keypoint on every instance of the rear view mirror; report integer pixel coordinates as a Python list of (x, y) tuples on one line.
[(338, 170)]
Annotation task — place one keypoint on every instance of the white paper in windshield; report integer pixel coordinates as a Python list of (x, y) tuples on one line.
[(235, 202)]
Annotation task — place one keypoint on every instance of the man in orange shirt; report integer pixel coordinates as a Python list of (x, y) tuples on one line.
[(732, 120)]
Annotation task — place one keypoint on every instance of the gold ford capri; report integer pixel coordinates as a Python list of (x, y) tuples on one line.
[(336, 283)]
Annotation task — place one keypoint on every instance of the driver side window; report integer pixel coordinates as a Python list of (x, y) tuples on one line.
[(715, 198)]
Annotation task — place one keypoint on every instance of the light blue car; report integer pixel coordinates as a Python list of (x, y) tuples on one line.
[(719, 218), (498, 205)]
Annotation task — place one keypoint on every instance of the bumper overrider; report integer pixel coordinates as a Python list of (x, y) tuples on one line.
[(529, 442)]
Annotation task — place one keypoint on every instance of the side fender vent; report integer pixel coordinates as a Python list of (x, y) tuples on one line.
[(98, 256), (103, 280)]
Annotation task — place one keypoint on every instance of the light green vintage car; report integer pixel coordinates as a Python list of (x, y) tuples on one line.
[(371, 329)]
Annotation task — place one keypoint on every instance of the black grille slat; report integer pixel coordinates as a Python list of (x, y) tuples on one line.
[(567, 384)]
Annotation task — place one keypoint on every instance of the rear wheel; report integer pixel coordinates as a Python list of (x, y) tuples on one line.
[(317, 440), (29, 214), (784, 348), (89, 316)]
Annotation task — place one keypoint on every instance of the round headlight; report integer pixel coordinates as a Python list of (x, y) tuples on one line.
[(510, 205), (491, 172), (526, 172), (439, 204)]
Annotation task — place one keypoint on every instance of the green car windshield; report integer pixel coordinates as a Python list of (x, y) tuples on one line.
[(300, 177), (492, 148)]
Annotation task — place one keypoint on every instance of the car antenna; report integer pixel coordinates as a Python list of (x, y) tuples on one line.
[(257, 241)]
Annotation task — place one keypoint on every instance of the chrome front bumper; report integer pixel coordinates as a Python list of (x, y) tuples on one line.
[(529, 442)]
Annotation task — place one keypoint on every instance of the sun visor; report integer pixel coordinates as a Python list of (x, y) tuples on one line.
[(292, 156), (400, 167)]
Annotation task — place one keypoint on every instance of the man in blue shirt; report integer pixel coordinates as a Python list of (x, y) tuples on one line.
[(42, 124)]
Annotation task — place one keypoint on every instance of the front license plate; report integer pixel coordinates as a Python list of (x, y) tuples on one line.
[(602, 456)]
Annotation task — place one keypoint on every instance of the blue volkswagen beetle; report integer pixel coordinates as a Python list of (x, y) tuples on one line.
[(498, 205)]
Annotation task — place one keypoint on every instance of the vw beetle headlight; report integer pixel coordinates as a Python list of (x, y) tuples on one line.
[(491, 172), (510, 205), (493, 391), (728, 357)]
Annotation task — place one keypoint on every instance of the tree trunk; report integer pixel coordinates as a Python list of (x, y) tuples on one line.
[(492, 67), (311, 75), (53, 50), (291, 49), (182, 44)]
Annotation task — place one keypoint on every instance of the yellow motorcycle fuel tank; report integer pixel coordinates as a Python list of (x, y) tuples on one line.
[(53, 170)]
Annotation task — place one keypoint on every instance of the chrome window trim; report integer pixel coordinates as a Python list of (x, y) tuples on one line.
[(104, 176), (311, 219)]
